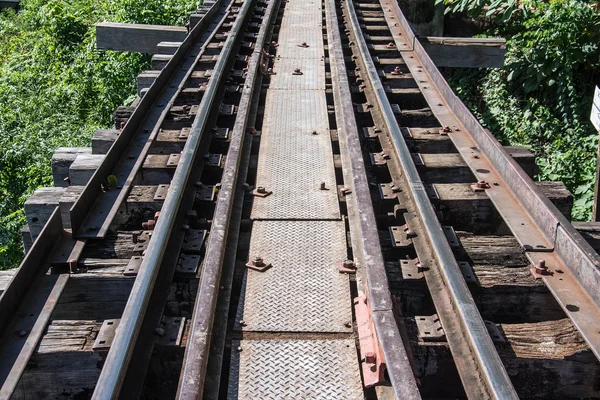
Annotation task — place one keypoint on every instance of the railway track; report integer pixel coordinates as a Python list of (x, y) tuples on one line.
[(299, 207)]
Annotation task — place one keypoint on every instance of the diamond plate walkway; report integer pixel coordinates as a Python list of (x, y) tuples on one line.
[(299, 230)]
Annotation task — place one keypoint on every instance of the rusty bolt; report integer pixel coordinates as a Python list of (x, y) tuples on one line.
[(480, 186), (410, 233), (344, 191), (242, 322), (297, 71), (540, 270), (239, 348), (303, 44), (541, 267), (257, 261), (315, 132), (397, 71), (261, 189), (391, 45), (149, 225), (323, 187), (445, 130), (370, 357)]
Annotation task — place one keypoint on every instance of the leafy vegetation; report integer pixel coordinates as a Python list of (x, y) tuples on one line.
[(56, 89), (542, 97)]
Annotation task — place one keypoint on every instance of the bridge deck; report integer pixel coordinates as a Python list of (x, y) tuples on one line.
[(298, 229)]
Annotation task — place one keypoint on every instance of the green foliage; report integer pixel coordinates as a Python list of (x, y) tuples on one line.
[(543, 96), (56, 89)]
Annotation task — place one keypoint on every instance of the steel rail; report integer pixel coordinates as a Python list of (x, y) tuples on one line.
[(574, 266), (490, 370), (366, 247), (95, 209), (193, 374), (117, 360)]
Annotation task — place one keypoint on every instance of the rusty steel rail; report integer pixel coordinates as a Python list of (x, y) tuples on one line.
[(484, 376), (95, 209), (363, 226), (192, 378), (117, 361), (573, 267)]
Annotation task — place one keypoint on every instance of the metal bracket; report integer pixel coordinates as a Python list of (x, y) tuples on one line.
[(371, 355), (173, 160), (418, 159), (193, 241), (379, 159), (161, 192), (386, 191), (141, 242), (188, 263), (451, 236), (371, 132), (213, 160), (468, 273), (494, 331), (185, 133), (401, 236), (226, 109), (106, 335), (206, 193), (170, 331), (430, 328), (411, 269), (133, 266), (221, 133)]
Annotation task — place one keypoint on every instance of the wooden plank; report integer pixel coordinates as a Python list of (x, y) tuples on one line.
[(136, 37), (465, 52), (64, 366), (544, 360)]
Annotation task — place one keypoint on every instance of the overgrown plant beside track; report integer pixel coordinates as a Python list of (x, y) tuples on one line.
[(56, 89), (542, 97)]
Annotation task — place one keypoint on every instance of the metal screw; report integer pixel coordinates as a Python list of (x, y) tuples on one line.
[(323, 187), (22, 333), (239, 348), (261, 189)]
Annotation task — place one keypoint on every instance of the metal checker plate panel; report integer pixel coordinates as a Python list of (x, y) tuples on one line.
[(301, 23), (312, 78), (303, 291), (293, 162), (295, 369)]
